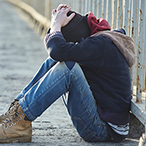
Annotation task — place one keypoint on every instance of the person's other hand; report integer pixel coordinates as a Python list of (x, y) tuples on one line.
[(60, 18), (61, 6)]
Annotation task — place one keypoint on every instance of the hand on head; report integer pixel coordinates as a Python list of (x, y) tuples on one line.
[(61, 6), (60, 18)]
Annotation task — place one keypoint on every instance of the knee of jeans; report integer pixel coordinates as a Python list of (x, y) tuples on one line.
[(70, 64)]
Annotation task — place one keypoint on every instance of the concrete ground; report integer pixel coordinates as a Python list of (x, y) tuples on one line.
[(21, 53)]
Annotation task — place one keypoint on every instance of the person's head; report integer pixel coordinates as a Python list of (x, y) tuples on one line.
[(76, 29), (83, 26)]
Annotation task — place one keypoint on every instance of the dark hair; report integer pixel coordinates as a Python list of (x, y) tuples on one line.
[(76, 29)]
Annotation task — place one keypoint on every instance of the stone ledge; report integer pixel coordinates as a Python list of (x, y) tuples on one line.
[(40, 23), (138, 109)]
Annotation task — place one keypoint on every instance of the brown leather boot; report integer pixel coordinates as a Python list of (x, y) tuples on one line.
[(15, 128), (9, 112)]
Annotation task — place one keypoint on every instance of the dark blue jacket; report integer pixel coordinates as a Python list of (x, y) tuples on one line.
[(105, 69)]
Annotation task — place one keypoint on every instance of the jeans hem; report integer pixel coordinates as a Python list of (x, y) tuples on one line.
[(26, 112)]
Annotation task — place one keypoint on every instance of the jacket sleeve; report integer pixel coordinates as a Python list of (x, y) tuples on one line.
[(89, 49)]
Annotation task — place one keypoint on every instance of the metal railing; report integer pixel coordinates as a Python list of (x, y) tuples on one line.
[(127, 14)]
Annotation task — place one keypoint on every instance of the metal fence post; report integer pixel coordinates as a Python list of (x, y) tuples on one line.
[(125, 15), (115, 15), (120, 13), (95, 7), (135, 28), (104, 9), (99, 8), (141, 54)]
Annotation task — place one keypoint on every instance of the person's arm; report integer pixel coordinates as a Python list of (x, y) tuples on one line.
[(90, 49), (60, 50)]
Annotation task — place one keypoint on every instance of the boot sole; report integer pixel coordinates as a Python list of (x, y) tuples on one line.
[(17, 140)]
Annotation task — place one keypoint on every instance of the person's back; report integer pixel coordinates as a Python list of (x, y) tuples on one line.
[(109, 78)]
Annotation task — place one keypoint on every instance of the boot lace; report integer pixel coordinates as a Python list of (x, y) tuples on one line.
[(13, 119), (12, 105)]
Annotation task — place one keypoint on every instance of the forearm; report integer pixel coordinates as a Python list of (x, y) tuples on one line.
[(60, 50), (55, 45)]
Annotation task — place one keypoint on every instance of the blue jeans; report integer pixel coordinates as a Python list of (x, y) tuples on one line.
[(54, 80)]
